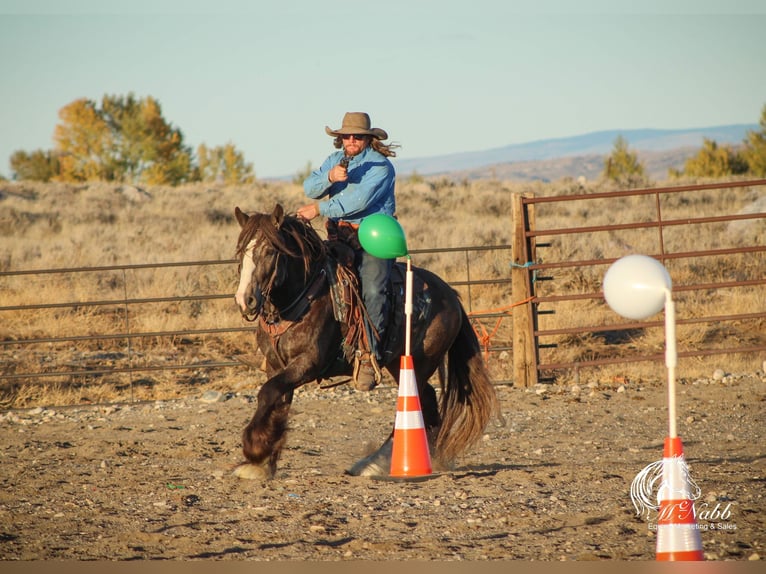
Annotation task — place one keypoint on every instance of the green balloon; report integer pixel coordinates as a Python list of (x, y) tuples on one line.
[(382, 236)]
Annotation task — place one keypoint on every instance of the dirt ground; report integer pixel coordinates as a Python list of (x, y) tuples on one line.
[(153, 481)]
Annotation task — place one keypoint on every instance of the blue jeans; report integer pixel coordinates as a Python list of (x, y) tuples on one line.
[(373, 275)]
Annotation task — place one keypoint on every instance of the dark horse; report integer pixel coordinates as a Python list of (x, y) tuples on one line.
[(284, 284)]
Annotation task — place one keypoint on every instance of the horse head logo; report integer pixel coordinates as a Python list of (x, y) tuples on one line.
[(653, 479)]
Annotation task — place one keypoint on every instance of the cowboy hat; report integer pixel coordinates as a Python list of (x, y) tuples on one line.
[(357, 123)]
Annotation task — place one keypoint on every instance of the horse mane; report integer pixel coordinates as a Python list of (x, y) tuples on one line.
[(292, 236)]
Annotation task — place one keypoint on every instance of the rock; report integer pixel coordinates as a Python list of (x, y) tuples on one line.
[(718, 374), (212, 397)]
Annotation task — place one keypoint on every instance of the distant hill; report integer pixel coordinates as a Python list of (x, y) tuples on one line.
[(576, 156)]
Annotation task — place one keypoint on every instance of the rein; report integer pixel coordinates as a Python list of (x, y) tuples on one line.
[(326, 270), (278, 322)]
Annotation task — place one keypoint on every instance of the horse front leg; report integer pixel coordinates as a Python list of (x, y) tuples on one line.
[(264, 436)]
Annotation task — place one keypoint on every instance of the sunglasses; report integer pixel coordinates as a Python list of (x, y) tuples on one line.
[(353, 136)]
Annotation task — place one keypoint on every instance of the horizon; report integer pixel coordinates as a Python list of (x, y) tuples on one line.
[(440, 77)]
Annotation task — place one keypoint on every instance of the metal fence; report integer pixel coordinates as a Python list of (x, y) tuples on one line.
[(86, 339), (539, 277), (93, 327)]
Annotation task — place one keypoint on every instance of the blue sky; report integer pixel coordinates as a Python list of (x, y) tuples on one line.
[(441, 76)]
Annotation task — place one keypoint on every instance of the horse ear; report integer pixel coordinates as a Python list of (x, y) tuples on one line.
[(278, 216), (241, 216)]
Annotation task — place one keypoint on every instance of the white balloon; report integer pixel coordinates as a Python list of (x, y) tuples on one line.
[(635, 286)]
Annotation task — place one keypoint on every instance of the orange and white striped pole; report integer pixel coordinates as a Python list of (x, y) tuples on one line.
[(678, 535), (637, 287), (410, 456)]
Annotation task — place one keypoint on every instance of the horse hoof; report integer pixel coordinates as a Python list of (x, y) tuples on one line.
[(365, 468), (247, 471), (376, 464)]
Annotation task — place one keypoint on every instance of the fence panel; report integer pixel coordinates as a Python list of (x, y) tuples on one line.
[(138, 327), (716, 258)]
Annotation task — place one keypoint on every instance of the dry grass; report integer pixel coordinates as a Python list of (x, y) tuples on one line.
[(65, 226)]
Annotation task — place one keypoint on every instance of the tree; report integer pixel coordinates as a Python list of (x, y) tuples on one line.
[(40, 165), (715, 161), (127, 139), (623, 167), (223, 164), (145, 148), (754, 151), (83, 140)]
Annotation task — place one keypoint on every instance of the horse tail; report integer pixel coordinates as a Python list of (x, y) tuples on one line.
[(468, 400)]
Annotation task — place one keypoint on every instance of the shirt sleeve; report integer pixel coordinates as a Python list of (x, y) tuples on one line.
[(316, 185), (355, 200)]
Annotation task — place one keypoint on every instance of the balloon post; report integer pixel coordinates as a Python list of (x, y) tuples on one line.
[(637, 287), (382, 236)]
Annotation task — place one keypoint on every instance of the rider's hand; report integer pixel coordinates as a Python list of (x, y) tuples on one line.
[(308, 212), (337, 173)]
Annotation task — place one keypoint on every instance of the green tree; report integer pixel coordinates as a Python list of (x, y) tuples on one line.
[(623, 167), (39, 165), (715, 161), (223, 164), (754, 150), (145, 147)]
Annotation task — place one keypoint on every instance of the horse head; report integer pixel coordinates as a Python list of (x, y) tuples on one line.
[(271, 248)]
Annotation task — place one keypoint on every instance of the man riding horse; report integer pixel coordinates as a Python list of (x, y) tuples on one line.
[(358, 181)]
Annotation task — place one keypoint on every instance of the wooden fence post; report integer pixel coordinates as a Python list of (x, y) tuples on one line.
[(525, 356)]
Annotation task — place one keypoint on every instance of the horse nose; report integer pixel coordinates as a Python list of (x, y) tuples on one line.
[(250, 305), (252, 302)]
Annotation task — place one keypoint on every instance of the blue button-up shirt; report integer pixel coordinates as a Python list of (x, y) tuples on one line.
[(369, 188)]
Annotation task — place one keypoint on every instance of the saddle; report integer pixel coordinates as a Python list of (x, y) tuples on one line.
[(349, 311)]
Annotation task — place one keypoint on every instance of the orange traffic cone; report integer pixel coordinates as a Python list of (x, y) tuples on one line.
[(678, 535), (410, 455)]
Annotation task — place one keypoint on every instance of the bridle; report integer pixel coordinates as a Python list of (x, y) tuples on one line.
[(257, 296), (269, 313)]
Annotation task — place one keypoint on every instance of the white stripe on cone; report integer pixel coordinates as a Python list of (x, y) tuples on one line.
[(678, 538), (409, 420)]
